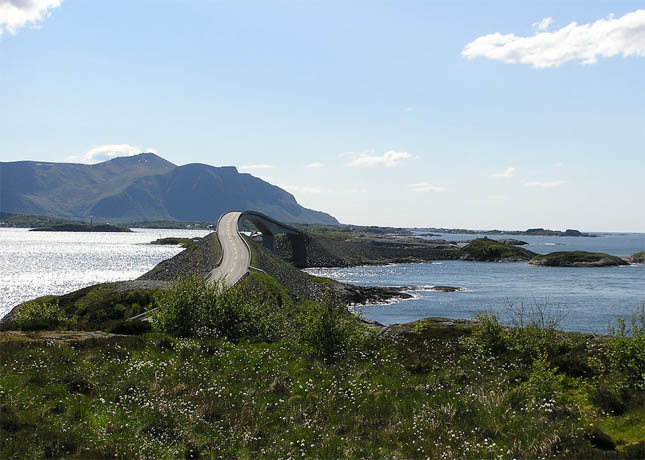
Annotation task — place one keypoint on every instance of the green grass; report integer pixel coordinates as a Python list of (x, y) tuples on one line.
[(320, 386), (160, 397)]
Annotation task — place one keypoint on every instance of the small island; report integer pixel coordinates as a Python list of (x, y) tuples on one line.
[(177, 241), (577, 259), (488, 250), (81, 228)]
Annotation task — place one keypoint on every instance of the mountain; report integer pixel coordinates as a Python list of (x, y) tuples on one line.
[(143, 187)]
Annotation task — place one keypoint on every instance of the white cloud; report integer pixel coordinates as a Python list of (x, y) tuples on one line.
[(508, 172), (390, 159), (557, 165), (543, 24), (15, 14), (314, 165), (574, 42), (107, 152), (252, 167), (425, 187), (409, 109), (306, 189), (358, 190), (551, 184)]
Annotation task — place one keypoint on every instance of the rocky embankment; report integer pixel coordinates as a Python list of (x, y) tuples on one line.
[(577, 259), (352, 251), (199, 258), (302, 285)]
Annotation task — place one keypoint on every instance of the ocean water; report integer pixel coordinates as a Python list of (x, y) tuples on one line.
[(588, 298), (33, 264)]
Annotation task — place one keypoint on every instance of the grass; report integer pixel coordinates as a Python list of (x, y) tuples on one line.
[(323, 387)]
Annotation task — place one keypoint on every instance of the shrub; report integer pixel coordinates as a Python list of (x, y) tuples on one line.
[(488, 334), (37, 315), (330, 330), (625, 350), (544, 383), (194, 307)]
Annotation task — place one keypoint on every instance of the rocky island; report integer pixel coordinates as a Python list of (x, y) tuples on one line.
[(577, 259), (488, 250)]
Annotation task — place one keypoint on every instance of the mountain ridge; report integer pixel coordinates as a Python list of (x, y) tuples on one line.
[(143, 187)]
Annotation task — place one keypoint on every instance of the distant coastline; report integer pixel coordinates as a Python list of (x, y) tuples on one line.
[(82, 228)]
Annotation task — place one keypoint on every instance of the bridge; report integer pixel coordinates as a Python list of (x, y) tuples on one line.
[(236, 254)]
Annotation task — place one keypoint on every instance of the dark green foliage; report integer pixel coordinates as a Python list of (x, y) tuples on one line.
[(330, 330), (131, 327)]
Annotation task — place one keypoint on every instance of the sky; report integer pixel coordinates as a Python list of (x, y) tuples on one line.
[(468, 114)]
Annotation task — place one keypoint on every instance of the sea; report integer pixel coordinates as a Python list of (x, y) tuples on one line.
[(34, 264)]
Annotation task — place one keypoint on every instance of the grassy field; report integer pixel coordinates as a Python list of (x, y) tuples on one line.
[(309, 381)]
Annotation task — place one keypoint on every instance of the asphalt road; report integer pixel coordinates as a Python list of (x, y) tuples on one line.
[(235, 254)]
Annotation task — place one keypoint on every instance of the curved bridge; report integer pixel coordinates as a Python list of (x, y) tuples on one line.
[(236, 254)]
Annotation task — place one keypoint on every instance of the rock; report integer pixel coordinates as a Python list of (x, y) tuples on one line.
[(638, 258), (577, 259)]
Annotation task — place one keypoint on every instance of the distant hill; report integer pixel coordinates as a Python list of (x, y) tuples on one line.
[(143, 187)]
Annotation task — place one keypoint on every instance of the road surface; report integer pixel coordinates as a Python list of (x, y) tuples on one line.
[(235, 254)]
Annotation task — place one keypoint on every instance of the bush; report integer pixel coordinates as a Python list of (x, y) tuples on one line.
[(625, 350), (544, 383), (194, 307), (40, 315), (488, 334), (330, 330)]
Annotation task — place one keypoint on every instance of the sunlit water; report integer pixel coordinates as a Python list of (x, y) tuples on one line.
[(34, 264), (589, 298)]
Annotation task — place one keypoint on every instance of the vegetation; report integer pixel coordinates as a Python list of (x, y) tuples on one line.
[(226, 378), (577, 259), (98, 307), (488, 250)]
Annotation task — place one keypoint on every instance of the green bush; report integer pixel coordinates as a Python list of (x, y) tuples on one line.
[(40, 315), (194, 307), (488, 334), (625, 350), (544, 383), (330, 330)]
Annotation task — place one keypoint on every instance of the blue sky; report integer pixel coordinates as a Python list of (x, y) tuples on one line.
[(474, 114)]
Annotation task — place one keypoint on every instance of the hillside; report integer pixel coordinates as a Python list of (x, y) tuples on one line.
[(143, 187)]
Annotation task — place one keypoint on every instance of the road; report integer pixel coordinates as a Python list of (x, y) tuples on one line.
[(235, 254)]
